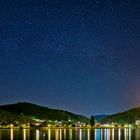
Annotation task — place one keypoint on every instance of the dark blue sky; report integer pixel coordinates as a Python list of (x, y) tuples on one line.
[(79, 55)]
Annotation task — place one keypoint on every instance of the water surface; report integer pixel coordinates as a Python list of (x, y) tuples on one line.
[(70, 134)]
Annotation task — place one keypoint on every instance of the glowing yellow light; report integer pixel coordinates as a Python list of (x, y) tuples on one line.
[(37, 134), (49, 134), (56, 134), (11, 125), (60, 134), (11, 134), (64, 134), (80, 134), (24, 134), (70, 134), (126, 133), (112, 134), (88, 134)]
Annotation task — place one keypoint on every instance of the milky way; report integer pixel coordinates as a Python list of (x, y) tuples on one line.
[(77, 55)]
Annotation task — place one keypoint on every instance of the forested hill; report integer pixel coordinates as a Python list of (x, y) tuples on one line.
[(128, 116), (40, 112)]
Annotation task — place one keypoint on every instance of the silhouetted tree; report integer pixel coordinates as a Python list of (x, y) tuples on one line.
[(92, 121)]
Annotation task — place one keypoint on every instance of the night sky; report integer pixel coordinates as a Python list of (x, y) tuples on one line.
[(78, 55)]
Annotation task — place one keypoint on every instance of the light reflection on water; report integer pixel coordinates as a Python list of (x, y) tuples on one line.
[(24, 134), (37, 134), (11, 134), (70, 134), (49, 134)]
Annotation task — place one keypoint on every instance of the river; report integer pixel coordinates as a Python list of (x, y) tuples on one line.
[(70, 134)]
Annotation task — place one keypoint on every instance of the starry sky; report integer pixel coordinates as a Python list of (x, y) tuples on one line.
[(78, 55)]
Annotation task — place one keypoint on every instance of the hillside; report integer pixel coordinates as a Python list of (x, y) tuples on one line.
[(99, 117), (124, 117), (40, 112)]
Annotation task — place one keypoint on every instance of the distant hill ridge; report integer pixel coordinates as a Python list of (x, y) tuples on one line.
[(128, 116), (99, 117), (41, 112)]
